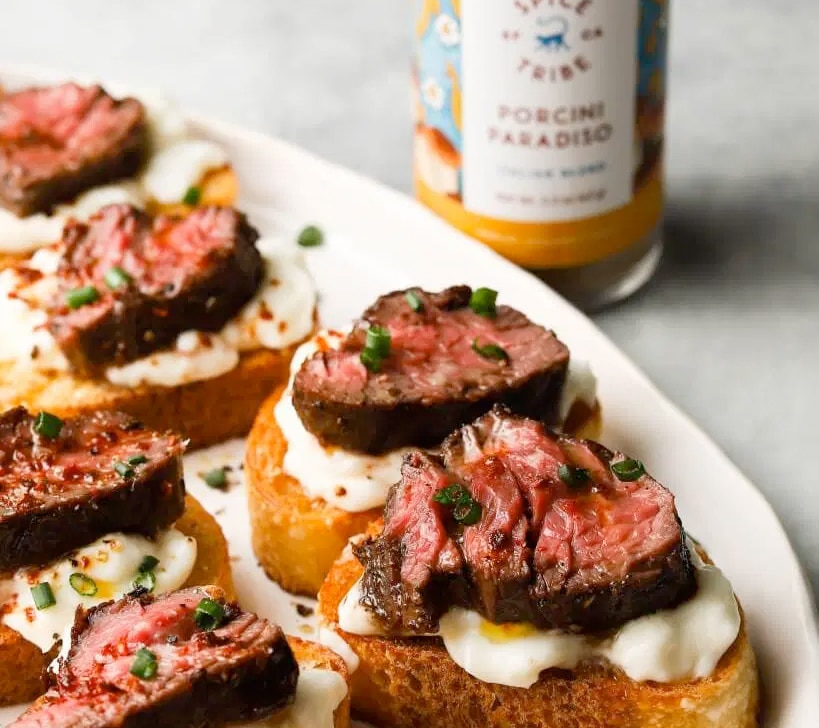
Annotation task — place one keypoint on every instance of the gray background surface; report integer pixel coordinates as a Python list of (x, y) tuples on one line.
[(729, 328)]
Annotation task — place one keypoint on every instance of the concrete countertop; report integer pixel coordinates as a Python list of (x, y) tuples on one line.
[(729, 328)]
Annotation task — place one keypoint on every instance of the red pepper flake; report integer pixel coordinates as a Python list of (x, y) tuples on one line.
[(265, 314), (29, 611), (282, 326), (341, 491)]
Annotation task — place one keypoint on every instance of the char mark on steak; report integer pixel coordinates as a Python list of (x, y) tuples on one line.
[(562, 541), (243, 670), (434, 379), (180, 274), (102, 474), (59, 141)]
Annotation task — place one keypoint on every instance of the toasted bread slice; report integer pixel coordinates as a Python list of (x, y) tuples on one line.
[(311, 655), (218, 187), (413, 683), (297, 538), (22, 664), (206, 412)]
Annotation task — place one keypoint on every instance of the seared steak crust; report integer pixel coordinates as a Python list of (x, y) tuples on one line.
[(59, 141), (433, 379), (185, 274), (585, 555), (57, 494), (242, 671)]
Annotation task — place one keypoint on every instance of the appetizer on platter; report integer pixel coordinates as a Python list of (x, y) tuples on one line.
[(324, 451), (525, 578), (184, 322), (66, 150), (188, 659), (91, 508)]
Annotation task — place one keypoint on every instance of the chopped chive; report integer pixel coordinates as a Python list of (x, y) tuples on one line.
[(490, 351), (216, 478), (465, 509), (192, 196), (146, 580), (48, 425), (80, 297), (136, 460), (310, 237), (450, 495), (209, 614), (83, 584), (42, 595), (377, 348), (123, 469), (628, 469), (467, 512), (573, 477), (116, 277), (414, 301), (482, 302), (148, 563), (144, 665)]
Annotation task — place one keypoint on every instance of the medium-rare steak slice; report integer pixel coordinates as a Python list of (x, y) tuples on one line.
[(548, 529), (142, 281), (58, 141), (163, 663), (446, 365), (65, 484)]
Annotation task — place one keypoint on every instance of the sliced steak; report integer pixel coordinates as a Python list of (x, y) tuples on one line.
[(243, 670), (58, 141), (181, 274), (104, 473), (561, 541), (433, 380)]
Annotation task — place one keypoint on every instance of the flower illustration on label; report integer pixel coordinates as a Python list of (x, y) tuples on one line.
[(564, 38), (448, 30), (433, 93)]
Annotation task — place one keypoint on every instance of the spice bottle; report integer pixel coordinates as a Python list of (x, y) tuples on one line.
[(539, 131)]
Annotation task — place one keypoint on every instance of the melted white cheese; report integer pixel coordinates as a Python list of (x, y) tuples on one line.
[(356, 482), (172, 171), (112, 562), (177, 163), (280, 314), (682, 643), (318, 694)]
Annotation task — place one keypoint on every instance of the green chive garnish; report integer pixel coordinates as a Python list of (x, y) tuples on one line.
[(116, 278), (144, 665), (209, 614), (192, 196), (490, 351), (465, 509), (573, 477), (310, 237), (377, 348), (48, 425), (145, 580), (80, 297), (414, 301), (123, 469), (628, 470), (148, 563), (42, 595), (216, 478), (482, 302), (83, 584), (136, 460)]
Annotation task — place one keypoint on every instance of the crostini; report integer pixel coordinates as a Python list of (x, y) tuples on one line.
[(188, 659), (324, 451), (187, 323), (90, 509), (525, 579), (66, 150)]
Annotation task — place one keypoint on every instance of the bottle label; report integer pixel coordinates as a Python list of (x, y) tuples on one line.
[(539, 122)]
